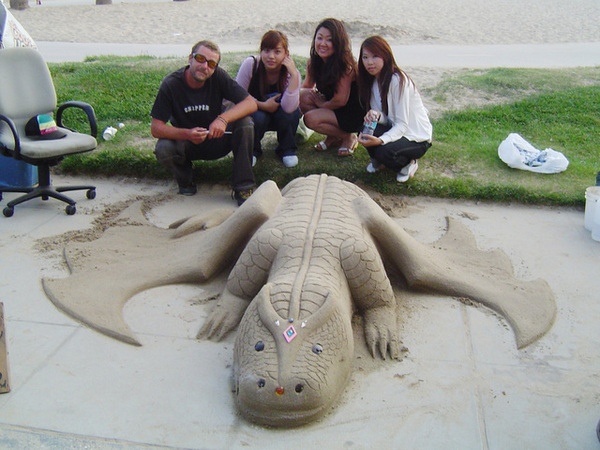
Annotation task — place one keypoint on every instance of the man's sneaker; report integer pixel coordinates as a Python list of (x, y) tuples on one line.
[(407, 172), (290, 161), (242, 195), (253, 160), (188, 190)]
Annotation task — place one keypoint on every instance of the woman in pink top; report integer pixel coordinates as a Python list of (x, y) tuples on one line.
[(274, 81)]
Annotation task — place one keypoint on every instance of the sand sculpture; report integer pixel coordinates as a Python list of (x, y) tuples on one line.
[(306, 258)]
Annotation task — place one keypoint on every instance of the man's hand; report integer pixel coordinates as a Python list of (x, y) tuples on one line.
[(197, 135), (217, 129)]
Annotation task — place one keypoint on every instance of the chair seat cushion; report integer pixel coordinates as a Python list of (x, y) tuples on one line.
[(71, 144)]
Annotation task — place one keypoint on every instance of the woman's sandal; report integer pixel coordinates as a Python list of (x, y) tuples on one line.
[(322, 146), (347, 151)]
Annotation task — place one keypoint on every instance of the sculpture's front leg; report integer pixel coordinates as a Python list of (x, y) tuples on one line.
[(224, 317), (373, 295), (248, 276)]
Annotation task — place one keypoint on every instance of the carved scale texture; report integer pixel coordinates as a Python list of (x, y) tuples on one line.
[(365, 273), (315, 218)]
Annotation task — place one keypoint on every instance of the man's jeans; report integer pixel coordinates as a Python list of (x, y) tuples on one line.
[(177, 156)]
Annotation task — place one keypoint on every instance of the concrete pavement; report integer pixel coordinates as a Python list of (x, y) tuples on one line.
[(462, 385), (450, 56)]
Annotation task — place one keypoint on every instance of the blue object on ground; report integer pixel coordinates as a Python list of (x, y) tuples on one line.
[(14, 173)]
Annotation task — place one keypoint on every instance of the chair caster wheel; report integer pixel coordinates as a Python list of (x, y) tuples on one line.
[(8, 212), (70, 210), (91, 194)]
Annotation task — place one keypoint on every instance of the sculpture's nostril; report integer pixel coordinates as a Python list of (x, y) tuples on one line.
[(299, 388), (261, 383)]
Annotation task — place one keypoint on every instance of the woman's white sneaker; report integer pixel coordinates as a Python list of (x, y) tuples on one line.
[(290, 161), (407, 172), (373, 166)]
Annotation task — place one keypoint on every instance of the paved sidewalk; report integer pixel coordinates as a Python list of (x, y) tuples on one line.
[(451, 56), (463, 384)]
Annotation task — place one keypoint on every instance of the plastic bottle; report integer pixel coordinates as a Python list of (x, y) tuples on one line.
[(369, 128)]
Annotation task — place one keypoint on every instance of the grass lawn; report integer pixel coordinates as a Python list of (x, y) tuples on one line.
[(559, 109)]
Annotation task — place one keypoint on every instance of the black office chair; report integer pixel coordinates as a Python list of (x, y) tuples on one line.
[(28, 131)]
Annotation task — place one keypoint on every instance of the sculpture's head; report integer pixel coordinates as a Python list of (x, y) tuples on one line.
[(289, 373)]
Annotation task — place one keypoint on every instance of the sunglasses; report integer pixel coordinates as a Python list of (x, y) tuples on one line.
[(202, 59)]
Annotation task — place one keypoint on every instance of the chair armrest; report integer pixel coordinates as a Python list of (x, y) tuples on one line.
[(87, 108), (17, 151)]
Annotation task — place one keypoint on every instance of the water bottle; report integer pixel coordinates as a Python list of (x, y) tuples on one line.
[(369, 128)]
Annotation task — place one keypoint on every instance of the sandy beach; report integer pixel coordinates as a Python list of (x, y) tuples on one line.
[(243, 22)]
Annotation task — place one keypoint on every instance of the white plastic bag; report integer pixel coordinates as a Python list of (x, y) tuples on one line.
[(517, 153)]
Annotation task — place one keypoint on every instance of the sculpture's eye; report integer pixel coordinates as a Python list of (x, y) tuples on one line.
[(299, 388), (260, 346), (261, 383), (317, 349)]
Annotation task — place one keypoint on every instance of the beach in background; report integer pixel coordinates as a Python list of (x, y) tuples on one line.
[(237, 22)]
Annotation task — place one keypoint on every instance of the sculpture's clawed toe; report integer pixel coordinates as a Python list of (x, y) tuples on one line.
[(218, 324), (381, 333), (225, 316)]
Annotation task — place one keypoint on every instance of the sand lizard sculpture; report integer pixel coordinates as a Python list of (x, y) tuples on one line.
[(306, 258)]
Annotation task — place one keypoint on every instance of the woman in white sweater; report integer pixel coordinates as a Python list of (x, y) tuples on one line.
[(403, 132)]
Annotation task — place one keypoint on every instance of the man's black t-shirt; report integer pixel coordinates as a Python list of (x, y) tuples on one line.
[(185, 107)]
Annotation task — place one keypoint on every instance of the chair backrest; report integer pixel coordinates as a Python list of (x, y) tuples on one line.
[(26, 87)]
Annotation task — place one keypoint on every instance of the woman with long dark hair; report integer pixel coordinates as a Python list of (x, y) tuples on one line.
[(329, 95), (274, 81), (403, 131)]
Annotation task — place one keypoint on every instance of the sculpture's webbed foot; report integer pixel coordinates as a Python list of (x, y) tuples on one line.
[(381, 332), (225, 316)]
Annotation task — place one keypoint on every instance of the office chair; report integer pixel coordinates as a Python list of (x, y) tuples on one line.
[(28, 131)]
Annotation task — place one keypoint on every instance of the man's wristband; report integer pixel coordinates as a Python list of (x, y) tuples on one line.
[(223, 119)]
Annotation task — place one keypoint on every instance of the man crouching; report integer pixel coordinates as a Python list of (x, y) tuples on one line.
[(191, 99)]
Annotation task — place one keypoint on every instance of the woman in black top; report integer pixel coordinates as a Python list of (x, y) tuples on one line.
[(329, 96)]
